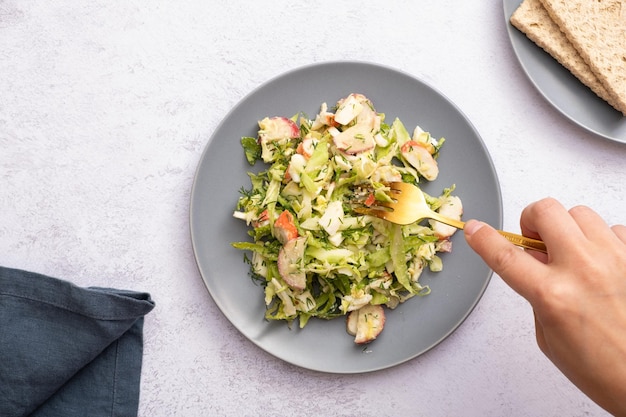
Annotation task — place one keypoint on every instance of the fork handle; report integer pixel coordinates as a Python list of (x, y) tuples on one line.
[(518, 240), (524, 242)]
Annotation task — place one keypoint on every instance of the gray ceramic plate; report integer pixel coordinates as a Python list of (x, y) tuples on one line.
[(414, 327), (568, 95)]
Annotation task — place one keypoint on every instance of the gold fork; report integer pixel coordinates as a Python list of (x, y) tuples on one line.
[(409, 206)]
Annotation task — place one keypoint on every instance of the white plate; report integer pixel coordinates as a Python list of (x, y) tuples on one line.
[(564, 91), (414, 327)]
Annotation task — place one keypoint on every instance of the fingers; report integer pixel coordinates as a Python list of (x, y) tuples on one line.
[(540, 256), (517, 268), (549, 221), (592, 225), (566, 234), (620, 232)]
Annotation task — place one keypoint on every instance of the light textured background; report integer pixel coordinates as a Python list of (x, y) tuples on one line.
[(106, 106)]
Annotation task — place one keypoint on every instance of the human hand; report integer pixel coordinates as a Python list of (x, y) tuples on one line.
[(577, 291)]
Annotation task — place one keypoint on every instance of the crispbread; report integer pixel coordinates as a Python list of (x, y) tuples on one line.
[(597, 29), (532, 19)]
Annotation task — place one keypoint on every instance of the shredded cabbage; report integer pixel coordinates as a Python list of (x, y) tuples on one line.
[(316, 169)]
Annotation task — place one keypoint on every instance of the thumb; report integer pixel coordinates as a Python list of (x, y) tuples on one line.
[(517, 268)]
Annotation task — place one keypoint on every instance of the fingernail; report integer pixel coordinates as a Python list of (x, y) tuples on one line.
[(472, 226)]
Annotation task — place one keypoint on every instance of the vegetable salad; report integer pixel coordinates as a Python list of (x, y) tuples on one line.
[(314, 255)]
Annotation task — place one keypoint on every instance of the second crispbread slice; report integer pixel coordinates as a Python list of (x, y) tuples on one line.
[(532, 19), (597, 29)]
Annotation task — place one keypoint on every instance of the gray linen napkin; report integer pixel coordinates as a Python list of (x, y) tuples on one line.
[(68, 351)]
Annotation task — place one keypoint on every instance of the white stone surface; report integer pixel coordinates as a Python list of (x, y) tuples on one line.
[(106, 106)]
